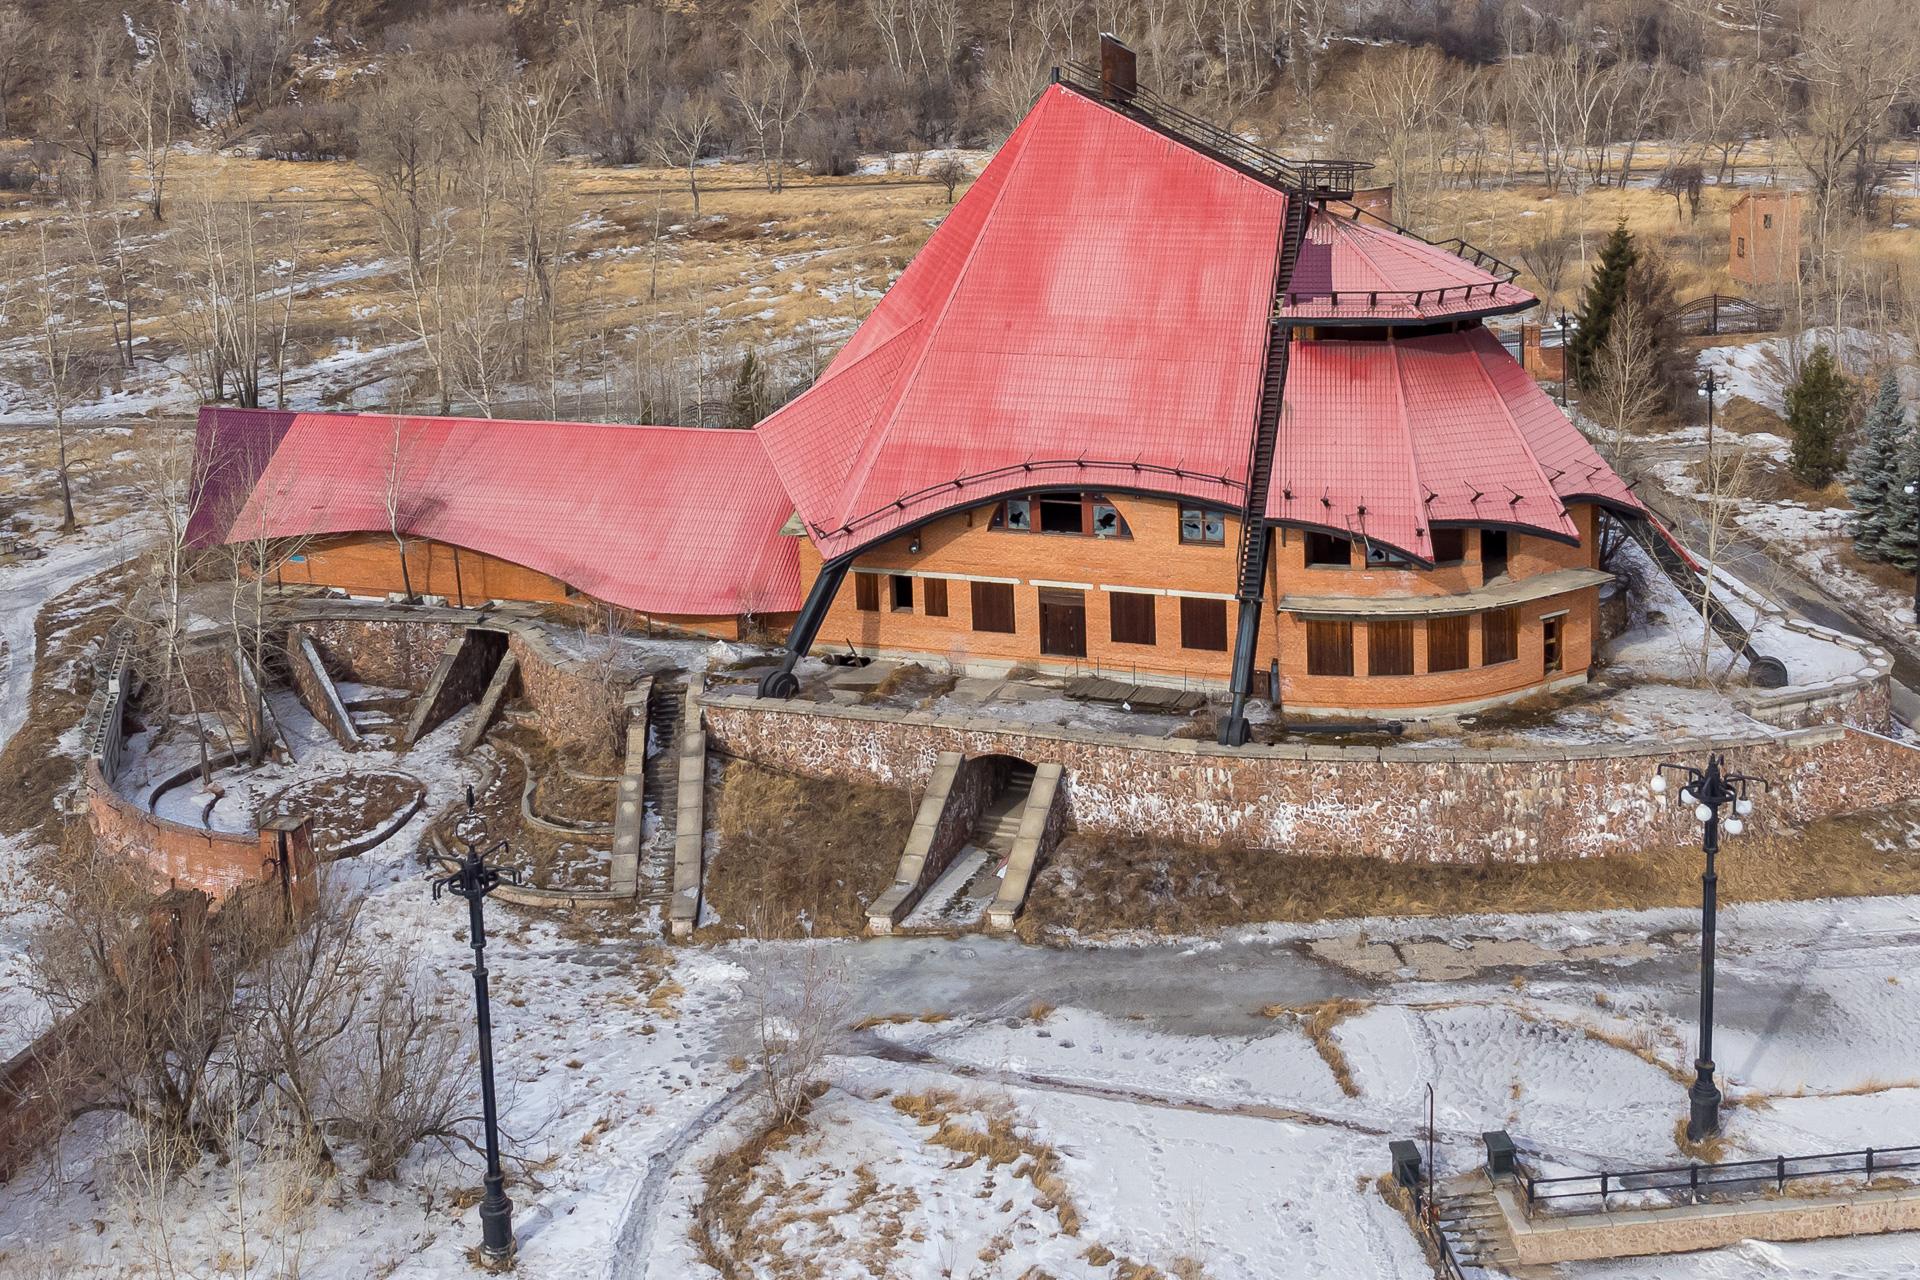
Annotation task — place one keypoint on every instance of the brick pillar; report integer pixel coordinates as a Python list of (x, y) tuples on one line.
[(176, 937), (286, 849)]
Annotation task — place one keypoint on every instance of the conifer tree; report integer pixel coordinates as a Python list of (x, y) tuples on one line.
[(1818, 405), (1604, 291), (1875, 466), (1900, 516), (748, 403)]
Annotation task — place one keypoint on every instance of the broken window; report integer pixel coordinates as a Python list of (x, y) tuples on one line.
[(1061, 514), (1550, 649), (1329, 550), (1108, 522), (1381, 557), (902, 593), (1203, 526), (1015, 514)]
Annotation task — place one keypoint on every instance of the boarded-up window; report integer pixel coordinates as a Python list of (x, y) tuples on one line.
[(1499, 636), (934, 591), (1389, 648), (866, 592), (1329, 648), (1447, 642), (993, 607), (1203, 624), (1132, 614)]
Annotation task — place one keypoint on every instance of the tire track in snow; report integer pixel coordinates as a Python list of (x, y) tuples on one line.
[(633, 1242)]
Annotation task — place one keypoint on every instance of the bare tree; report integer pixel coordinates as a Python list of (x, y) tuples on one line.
[(401, 1078), (17, 42), (149, 101), (1858, 58), (1727, 477), (397, 496), (688, 124), (53, 300), (1623, 392), (799, 996), (82, 102), (238, 51), (950, 173)]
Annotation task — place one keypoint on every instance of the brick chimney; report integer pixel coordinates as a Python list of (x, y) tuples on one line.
[(1118, 78)]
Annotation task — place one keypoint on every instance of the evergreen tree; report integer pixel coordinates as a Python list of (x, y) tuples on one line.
[(1900, 515), (1874, 467), (1818, 405), (1602, 298)]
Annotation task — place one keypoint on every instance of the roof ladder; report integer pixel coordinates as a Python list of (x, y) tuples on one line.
[(1255, 539)]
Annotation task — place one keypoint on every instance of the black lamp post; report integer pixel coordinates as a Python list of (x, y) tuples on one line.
[(1708, 791), (1566, 358), (474, 880), (1709, 387)]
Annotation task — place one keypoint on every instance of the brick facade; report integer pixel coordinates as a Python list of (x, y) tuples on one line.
[(962, 548), (1763, 238), (214, 862), (368, 564), (1406, 804)]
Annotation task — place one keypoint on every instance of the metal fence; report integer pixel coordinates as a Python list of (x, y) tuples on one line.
[(1696, 1180)]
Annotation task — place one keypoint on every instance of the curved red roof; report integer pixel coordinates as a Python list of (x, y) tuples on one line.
[(1381, 439), (1355, 271), (1094, 313), (664, 520)]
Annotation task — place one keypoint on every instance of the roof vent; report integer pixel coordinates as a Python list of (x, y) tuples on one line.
[(1118, 82)]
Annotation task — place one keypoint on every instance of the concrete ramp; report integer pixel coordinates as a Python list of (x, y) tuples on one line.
[(1040, 823), (489, 703), (466, 667), (316, 689), (629, 805), (690, 828), (927, 852)]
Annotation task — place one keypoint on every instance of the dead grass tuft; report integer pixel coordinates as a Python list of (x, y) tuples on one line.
[(805, 856), (1711, 1149), (1318, 1020), (1097, 884), (1004, 1141)]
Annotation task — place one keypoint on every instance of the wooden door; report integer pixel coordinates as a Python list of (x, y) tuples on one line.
[(1063, 622)]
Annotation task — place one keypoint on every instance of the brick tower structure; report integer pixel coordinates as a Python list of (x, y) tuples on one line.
[(1763, 240)]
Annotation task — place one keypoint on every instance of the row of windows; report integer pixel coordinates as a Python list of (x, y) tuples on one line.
[(1390, 644), (1331, 551), (1091, 515), (1132, 615)]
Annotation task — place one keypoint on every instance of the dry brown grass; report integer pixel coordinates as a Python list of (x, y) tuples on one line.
[(931, 1016), (1096, 884), (802, 854), (1711, 1149), (1318, 1021), (1000, 1143)]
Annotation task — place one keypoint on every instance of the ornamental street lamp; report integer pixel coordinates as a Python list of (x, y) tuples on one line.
[(1565, 320), (1706, 792), (474, 880), (1710, 385)]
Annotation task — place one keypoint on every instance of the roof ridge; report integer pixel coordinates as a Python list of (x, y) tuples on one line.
[(871, 448), (1478, 350)]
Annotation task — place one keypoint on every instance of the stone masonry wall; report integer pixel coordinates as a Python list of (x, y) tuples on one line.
[(396, 655), (1399, 803)]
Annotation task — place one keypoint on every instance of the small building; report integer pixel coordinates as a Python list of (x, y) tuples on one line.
[(1763, 237)]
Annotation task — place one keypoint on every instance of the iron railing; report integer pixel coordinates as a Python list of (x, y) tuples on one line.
[(1724, 313), (1427, 1214), (1324, 179), (1454, 245), (1701, 1179)]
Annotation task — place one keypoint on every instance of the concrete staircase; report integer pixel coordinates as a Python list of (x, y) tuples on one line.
[(953, 874), (1471, 1221), (666, 712), (999, 826)]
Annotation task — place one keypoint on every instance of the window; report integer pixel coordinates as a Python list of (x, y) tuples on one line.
[(1493, 554), (1449, 545), (866, 592), (1015, 514), (1739, 246), (1203, 526), (1329, 648), (935, 590), (1132, 617), (1108, 522), (1766, 222), (1328, 549), (1203, 624), (1060, 514), (1379, 557), (1550, 644), (902, 589), (1389, 648), (993, 607), (1499, 636), (1447, 642)]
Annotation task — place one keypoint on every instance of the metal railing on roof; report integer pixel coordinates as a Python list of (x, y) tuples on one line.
[(1363, 302), (1037, 468), (1504, 272), (1696, 1179), (1323, 179)]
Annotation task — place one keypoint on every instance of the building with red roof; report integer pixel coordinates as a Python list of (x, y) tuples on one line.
[(1151, 401)]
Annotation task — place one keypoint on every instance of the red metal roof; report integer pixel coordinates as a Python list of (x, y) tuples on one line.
[(1381, 439), (665, 520), (1357, 271), (1092, 314)]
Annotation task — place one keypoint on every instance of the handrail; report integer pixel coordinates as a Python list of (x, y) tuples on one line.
[(1017, 468), (1327, 179), (1695, 1178), (1505, 271)]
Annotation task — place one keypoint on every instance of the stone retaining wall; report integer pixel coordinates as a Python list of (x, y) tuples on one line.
[(215, 862), (1400, 803)]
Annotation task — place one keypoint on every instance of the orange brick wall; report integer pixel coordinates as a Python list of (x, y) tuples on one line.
[(1772, 253), (368, 564), (961, 547), (216, 862)]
